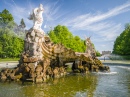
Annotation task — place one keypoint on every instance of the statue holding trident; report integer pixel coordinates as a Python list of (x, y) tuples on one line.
[(37, 18)]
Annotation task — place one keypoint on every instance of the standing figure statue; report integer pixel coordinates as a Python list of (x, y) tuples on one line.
[(37, 17)]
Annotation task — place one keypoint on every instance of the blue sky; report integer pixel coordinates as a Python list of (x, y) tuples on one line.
[(103, 20)]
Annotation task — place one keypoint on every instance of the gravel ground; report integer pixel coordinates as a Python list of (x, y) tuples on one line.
[(9, 64)]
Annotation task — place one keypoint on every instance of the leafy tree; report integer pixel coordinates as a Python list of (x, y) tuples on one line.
[(98, 54), (6, 16), (10, 44), (61, 34), (6, 19), (53, 36), (122, 42), (127, 26)]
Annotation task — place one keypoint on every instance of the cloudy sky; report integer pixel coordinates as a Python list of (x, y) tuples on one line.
[(102, 20)]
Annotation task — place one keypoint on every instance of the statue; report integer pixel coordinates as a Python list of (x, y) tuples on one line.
[(37, 18), (35, 36), (90, 48)]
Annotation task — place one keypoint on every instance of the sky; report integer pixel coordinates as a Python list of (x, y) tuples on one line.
[(102, 20)]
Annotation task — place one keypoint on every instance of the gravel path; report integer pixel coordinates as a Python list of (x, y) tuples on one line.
[(9, 64)]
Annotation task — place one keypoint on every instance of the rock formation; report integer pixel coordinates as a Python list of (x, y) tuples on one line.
[(41, 59)]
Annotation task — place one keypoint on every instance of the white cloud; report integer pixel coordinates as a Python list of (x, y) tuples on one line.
[(19, 13), (84, 20), (50, 12), (98, 26), (98, 23), (111, 32)]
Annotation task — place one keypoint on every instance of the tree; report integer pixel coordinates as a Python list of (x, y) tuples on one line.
[(122, 42), (61, 34), (98, 54), (6, 16), (22, 24), (127, 26), (6, 19), (10, 44)]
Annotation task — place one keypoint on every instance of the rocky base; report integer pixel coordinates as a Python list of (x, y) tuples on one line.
[(89, 65), (28, 72), (41, 60)]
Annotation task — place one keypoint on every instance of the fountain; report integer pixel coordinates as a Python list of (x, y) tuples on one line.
[(42, 59)]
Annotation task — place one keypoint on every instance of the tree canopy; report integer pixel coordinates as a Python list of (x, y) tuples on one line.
[(11, 45), (122, 42), (61, 34), (22, 24), (6, 16), (6, 19), (98, 54)]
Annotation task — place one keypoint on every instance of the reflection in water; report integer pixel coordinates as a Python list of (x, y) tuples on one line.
[(114, 84), (71, 86), (62, 87)]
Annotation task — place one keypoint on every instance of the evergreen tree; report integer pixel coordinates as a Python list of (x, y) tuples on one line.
[(22, 24)]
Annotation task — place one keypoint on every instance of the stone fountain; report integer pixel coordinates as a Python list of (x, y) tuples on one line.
[(42, 59)]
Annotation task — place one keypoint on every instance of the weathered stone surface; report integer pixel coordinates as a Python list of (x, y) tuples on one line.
[(18, 77), (3, 76), (39, 80), (39, 68), (30, 59), (31, 65)]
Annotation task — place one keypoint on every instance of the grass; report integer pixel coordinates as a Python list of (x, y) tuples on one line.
[(8, 59)]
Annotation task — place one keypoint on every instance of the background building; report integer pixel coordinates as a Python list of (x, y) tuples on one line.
[(106, 52)]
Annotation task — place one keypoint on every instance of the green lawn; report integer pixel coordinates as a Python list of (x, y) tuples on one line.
[(8, 59)]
